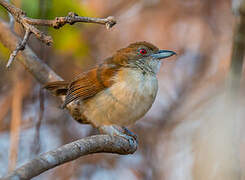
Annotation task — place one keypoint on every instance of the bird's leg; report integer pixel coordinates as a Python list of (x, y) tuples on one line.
[(114, 130)]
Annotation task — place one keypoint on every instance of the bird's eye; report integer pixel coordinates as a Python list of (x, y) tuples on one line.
[(142, 51)]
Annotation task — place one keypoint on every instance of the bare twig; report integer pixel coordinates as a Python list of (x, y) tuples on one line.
[(28, 23), (28, 58), (20, 47), (20, 17), (71, 19), (71, 151)]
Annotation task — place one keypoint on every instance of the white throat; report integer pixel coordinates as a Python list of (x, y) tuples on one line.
[(155, 65)]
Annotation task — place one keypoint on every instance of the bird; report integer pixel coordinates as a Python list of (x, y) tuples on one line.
[(117, 92)]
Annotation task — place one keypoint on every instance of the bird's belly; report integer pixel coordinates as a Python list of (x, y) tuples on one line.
[(123, 103)]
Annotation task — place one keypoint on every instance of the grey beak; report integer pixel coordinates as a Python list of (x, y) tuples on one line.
[(163, 54)]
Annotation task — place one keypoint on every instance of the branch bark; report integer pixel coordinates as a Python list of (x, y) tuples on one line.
[(71, 151)]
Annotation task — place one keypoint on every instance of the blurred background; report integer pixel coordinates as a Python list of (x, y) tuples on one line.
[(194, 129)]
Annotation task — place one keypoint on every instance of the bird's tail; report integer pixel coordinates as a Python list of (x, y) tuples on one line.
[(57, 88)]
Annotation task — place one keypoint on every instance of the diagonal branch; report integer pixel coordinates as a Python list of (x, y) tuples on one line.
[(58, 22), (71, 151)]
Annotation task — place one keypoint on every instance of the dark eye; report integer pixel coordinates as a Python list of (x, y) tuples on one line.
[(142, 51)]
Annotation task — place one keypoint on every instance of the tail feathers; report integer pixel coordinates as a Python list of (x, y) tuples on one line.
[(57, 88)]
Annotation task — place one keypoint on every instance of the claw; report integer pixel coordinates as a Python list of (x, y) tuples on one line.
[(123, 132), (129, 133)]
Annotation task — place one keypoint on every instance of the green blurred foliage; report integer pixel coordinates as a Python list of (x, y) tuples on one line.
[(69, 41), (3, 13), (63, 7), (4, 52), (31, 7), (54, 8)]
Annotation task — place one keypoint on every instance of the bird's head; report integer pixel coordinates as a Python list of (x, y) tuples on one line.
[(142, 55)]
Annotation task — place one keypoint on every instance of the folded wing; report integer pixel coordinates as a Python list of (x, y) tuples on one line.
[(90, 83)]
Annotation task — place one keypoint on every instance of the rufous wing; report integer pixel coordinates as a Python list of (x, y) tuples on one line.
[(90, 83), (57, 88)]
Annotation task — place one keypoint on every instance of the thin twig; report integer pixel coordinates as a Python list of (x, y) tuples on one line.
[(41, 71), (71, 151), (20, 47), (20, 17), (58, 22), (71, 19)]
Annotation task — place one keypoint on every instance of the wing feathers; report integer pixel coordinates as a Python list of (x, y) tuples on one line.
[(90, 83), (58, 87)]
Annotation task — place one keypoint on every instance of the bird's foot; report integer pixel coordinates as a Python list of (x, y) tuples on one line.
[(129, 133), (123, 132)]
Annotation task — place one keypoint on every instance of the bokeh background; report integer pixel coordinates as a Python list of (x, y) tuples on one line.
[(191, 132)]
